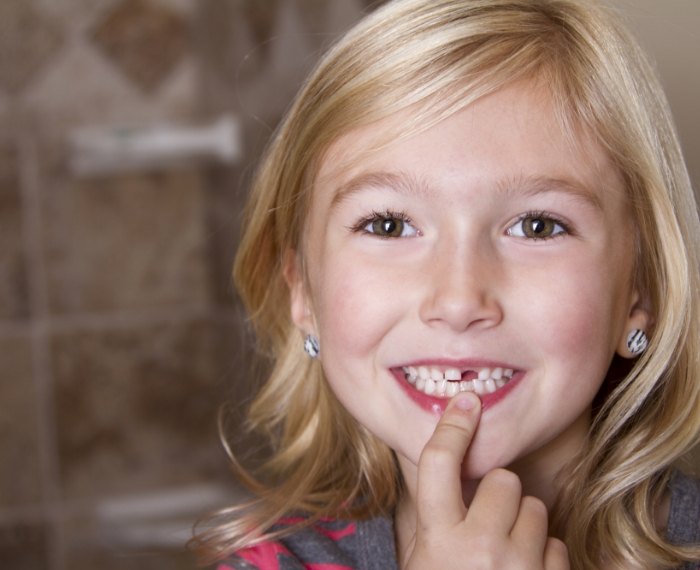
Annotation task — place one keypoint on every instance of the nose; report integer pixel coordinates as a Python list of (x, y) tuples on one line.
[(462, 288)]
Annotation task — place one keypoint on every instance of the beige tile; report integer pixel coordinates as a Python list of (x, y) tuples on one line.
[(314, 15), (136, 409), (20, 483), (90, 544), (225, 198), (24, 547), (132, 242), (691, 462), (14, 301), (80, 88), (28, 41), (73, 16), (84, 556), (373, 4), (261, 19), (145, 40)]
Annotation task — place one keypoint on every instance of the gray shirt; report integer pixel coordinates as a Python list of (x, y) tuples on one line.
[(370, 544), (684, 516)]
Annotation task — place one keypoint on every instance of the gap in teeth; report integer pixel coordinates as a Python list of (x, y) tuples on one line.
[(434, 381)]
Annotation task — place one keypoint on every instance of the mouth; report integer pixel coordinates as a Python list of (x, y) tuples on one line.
[(444, 382), (432, 385)]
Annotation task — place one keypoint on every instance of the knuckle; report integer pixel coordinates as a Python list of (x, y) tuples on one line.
[(535, 507), (504, 479), (556, 555), (487, 546), (436, 455), (448, 441), (452, 428), (558, 547), (487, 554)]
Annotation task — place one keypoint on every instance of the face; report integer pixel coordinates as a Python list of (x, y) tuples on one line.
[(487, 253)]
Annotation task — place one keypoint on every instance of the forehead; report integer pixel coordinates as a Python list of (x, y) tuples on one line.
[(513, 133)]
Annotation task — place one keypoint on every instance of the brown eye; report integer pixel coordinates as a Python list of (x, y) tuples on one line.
[(387, 227), (536, 226)]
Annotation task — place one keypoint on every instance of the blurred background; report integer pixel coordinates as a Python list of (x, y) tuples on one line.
[(128, 132)]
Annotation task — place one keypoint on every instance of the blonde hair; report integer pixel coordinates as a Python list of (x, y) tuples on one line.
[(436, 57)]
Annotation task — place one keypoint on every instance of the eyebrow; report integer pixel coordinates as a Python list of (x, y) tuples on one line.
[(399, 182), (535, 185), (406, 184)]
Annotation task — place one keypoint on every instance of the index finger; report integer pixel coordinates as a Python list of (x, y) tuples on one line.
[(439, 494)]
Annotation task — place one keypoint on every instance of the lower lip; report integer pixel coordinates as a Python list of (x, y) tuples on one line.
[(438, 405)]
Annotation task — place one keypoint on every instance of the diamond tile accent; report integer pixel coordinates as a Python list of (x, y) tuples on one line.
[(28, 40), (145, 40)]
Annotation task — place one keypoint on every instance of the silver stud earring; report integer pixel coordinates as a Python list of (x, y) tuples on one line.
[(311, 346), (637, 342)]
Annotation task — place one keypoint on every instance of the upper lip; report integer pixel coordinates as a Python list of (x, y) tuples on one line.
[(461, 364)]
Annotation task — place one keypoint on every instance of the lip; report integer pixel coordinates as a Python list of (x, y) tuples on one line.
[(438, 405)]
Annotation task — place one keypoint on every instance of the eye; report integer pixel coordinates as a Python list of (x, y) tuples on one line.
[(537, 225), (387, 225)]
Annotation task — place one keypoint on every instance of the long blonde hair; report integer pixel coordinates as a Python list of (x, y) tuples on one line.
[(436, 57)]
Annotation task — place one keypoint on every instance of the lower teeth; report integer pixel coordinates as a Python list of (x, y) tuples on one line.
[(448, 388)]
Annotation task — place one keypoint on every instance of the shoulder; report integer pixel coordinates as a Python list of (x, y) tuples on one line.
[(328, 544), (684, 510), (265, 556)]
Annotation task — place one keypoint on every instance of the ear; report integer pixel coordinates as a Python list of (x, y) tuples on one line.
[(299, 301), (639, 317)]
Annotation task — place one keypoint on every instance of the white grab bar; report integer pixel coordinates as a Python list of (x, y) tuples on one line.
[(97, 151)]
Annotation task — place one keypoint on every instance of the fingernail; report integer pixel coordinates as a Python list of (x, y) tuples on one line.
[(466, 401)]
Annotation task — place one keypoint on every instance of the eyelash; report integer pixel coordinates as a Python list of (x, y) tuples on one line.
[(360, 226), (547, 216)]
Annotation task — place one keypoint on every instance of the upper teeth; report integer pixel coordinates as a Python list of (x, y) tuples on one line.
[(447, 382)]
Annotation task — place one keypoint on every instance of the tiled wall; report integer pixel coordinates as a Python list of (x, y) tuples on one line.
[(119, 333)]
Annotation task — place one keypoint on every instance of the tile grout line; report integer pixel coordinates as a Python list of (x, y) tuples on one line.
[(39, 331), (114, 320), (117, 320)]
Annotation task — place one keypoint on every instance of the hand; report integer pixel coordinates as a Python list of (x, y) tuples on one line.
[(501, 528)]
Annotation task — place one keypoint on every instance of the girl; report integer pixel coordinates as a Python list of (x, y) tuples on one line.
[(477, 223)]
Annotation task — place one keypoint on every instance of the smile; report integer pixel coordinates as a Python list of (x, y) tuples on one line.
[(445, 382)]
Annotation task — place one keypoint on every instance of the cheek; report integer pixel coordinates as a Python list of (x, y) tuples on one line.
[(355, 306), (575, 314)]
